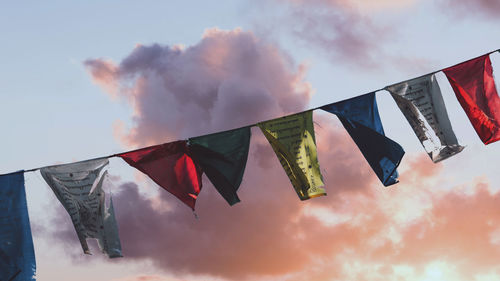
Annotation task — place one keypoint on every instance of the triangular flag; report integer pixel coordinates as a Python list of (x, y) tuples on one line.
[(292, 139), (360, 118), (223, 157), (79, 188), (170, 167), (475, 89), (17, 256), (422, 104)]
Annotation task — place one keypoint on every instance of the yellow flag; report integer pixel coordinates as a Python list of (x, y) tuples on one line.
[(292, 139)]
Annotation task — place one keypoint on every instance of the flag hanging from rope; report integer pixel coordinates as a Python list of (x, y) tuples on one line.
[(292, 139), (17, 256), (361, 119), (223, 157), (170, 166), (474, 86), (422, 104), (79, 188)]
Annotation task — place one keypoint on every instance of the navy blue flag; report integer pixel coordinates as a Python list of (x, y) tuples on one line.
[(360, 118), (17, 256)]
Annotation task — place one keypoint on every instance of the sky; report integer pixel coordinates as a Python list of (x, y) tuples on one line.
[(82, 80)]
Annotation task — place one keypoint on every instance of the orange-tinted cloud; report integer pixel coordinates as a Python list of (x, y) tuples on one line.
[(420, 167), (147, 278), (104, 73), (461, 229)]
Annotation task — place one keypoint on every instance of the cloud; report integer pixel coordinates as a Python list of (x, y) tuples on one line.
[(104, 74), (350, 32), (361, 5), (380, 5), (229, 79), (338, 29), (146, 278), (420, 168), (461, 230), (456, 237), (481, 8)]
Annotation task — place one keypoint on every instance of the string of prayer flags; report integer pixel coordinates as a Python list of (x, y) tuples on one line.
[(170, 167), (361, 119), (422, 104), (223, 157), (474, 87), (79, 188), (292, 139), (17, 256)]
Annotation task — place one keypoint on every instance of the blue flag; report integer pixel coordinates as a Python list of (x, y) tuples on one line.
[(360, 118), (17, 256)]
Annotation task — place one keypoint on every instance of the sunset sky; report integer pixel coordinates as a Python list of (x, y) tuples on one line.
[(92, 78)]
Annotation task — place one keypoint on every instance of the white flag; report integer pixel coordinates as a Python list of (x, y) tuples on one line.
[(78, 186), (422, 104)]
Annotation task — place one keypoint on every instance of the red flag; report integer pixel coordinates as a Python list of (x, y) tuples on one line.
[(169, 166), (475, 89)]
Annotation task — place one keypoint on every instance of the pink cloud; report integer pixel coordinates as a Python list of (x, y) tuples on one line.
[(184, 92), (366, 6), (458, 230), (421, 167), (461, 8), (104, 73), (146, 278), (338, 29), (349, 31)]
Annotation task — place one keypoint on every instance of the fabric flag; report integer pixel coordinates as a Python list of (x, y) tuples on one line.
[(79, 188), (223, 157), (17, 256), (171, 167), (422, 104), (474, 86), (292, 139), (360, 118)]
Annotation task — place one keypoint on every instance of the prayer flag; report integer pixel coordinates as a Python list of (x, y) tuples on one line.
[(17, 256), (79, 188), (223, 157), (422, 104), (292, 139), (360, 118), (170, 167), (474, 86)]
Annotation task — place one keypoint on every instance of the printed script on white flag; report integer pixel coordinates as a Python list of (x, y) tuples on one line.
[(422, 104), (79, 188)]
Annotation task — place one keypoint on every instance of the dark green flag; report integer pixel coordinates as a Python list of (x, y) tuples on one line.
[(223, 157)]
